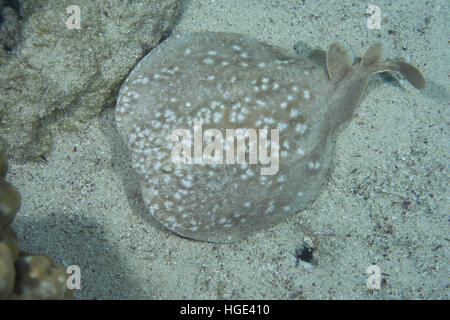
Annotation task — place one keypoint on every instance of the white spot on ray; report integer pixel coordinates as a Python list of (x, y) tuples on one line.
[(306, 94), (208, 61)]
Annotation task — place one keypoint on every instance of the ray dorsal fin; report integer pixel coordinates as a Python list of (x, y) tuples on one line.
[(374, 54), (372, 60), (411, 73), (340, 58)]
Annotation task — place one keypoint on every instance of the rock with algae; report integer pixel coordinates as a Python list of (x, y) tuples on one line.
[(57, 74), (209, 83), (24, 276)]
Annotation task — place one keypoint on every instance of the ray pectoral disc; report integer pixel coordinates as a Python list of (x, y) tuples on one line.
[(197, 88)]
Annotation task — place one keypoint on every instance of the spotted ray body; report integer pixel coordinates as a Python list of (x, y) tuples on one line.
[(231, 81)]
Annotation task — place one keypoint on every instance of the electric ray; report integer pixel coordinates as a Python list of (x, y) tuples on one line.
[(203, 180)]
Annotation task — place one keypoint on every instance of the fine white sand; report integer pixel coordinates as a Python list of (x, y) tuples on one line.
[(385, 204)]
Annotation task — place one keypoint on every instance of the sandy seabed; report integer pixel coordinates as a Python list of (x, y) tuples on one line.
[(385, 204)]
